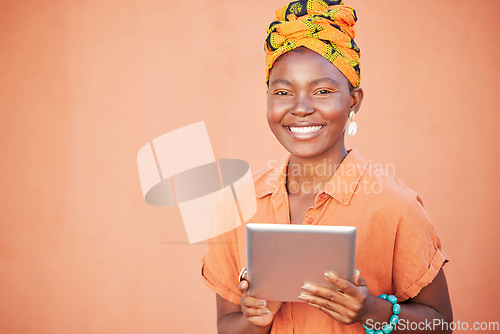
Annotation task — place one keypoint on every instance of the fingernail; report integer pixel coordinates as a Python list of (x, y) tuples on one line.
[(264, 311), (329, 275), (262, 303), (307, 288), (303, 297)]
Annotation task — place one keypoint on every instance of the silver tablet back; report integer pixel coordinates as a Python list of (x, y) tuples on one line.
[(282, 257)]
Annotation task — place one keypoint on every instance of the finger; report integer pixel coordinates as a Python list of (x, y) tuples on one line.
[(357, 274), (326, 293), (243, 287), (361, 282), (342, 284), (330, 313), (323, 303), (337, 311), (254, 312), (334, 315), (251, 302)]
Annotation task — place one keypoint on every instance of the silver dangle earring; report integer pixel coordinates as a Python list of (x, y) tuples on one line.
[(352, 128)]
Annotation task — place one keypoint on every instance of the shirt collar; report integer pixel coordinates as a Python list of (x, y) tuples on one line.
[(341, 186)]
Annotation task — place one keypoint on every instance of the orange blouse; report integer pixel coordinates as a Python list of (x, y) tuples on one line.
[(397, 249)]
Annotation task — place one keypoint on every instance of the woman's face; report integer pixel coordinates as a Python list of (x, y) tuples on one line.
[(308, 104)]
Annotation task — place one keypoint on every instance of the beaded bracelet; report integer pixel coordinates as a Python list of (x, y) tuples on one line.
[(396, 309)]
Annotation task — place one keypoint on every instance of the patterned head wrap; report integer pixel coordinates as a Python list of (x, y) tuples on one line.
[(324, 26)]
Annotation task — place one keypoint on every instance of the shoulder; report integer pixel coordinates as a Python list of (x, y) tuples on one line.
[(262, 174), (390, 185), (393, 206), (389, 192), (265, 180)]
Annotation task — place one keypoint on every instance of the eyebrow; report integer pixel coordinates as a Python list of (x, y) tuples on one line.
[(281, 81), (314, 82), (321, 80)]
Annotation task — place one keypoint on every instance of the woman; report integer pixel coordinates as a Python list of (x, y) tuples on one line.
[(313, 96)]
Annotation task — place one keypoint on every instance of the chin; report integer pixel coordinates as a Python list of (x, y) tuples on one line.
[(305, 152)]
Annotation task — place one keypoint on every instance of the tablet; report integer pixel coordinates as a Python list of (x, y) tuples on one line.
[(281, 258)]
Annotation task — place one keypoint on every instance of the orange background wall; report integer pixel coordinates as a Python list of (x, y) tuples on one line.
[(84, 84)]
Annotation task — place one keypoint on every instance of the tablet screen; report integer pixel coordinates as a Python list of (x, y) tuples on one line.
[(281, 258)]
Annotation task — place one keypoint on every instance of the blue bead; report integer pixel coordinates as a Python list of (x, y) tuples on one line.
[(383, 296), (392, 299), (364, 326), (396, 308), (379, 332), (394, 319), (387, 328), (370, 331)]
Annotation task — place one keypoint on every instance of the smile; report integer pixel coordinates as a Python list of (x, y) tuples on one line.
[(305, 132), (305, 129)]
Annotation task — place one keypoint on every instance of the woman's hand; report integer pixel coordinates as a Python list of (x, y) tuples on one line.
[(349, 305), (259, 312)]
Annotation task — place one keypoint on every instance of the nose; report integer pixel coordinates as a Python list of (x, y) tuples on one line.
[(303, 106)]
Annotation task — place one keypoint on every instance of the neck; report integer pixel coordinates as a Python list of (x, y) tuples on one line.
[(308, 175)]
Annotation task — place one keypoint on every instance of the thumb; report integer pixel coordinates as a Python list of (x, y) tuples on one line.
[(357, 276), (243, 287), (361, 281)]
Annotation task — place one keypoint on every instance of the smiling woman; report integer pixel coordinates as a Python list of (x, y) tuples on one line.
[(313, 93), (308, 105)]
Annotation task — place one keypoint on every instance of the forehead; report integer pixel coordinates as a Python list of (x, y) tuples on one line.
[(304, 65)]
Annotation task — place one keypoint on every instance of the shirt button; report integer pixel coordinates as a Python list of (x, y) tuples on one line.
[(309, 220)]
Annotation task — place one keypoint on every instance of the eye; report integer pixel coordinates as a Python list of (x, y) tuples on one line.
[(281, 92), (324, 91)]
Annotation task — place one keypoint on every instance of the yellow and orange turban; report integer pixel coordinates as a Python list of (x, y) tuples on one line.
[(324, 26)]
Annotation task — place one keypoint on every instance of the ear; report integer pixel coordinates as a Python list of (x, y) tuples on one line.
[(356, 99)]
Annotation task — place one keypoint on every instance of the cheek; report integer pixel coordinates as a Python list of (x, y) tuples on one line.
[(273, 118), (336, 112), (338, 116), (274, 113)]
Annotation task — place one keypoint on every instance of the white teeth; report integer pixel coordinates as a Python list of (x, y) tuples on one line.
[(305, 129)]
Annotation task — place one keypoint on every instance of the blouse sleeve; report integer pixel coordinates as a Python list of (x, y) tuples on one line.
[(220, 267), (221, 263), (418, 256)]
